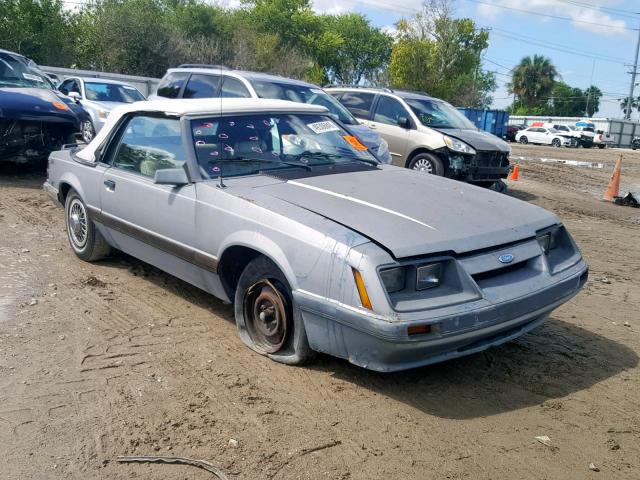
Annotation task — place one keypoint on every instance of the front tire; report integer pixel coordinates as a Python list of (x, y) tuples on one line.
[(524, 140), (602, 146), (267, 318), (427, 163), (556, 142), (86, 241)]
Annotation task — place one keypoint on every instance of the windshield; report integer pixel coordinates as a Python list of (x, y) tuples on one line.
[(16, 72), (250, 144), (303, 94), (438, 114), (110, 92)]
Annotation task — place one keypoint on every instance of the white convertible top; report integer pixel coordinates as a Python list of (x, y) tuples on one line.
[(195, 107)]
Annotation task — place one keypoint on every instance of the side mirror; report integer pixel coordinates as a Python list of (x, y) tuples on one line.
[(404, 122), (75, 96), (171, 176)]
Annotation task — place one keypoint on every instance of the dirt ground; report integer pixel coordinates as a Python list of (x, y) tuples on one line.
[(118, 358)]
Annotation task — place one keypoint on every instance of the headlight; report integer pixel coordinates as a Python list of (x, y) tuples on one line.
[(456, 145), (428, 276), (393, 279), (383, 149), (550, 240), (103, 113)]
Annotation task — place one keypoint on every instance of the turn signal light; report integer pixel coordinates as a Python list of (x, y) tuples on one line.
[(419, 330), (362, 290), (60, 105)]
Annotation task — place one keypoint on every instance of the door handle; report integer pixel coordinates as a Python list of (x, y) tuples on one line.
[(110, 184), (371, 126)]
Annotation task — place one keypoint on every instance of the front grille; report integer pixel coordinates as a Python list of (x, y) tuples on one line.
[(491, 159)]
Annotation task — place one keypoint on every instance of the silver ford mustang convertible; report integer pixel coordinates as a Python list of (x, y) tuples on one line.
[(278, 208)]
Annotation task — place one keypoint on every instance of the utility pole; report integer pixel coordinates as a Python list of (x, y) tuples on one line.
[(633, 79)]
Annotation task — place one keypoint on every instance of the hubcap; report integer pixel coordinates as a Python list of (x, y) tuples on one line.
[(266, 316), (87, 131), (423, 165), (77, 224)]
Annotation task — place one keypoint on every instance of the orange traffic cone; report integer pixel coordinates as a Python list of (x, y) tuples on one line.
[(613, 190), (515, 173)]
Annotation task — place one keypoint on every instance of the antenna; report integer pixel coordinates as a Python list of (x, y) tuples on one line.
[(220, 183)]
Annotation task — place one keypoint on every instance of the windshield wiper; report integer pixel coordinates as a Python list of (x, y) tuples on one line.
[(260, 160), (333, 155)]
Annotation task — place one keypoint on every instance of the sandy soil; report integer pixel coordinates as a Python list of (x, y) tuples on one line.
[(115, 358)]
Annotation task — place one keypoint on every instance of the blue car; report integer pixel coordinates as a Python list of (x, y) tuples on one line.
[(35, 119)]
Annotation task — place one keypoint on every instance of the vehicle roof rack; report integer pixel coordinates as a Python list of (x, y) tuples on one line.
[(203, 65), (346, 85)]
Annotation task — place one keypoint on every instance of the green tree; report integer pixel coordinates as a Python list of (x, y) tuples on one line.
[(441, 55), (40, 29), (593, 94), (360, 52), (532, 81)]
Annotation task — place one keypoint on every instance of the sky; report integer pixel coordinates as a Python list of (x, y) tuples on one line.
[(604, 29)]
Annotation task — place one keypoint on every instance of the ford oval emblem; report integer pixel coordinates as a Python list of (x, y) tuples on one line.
[(506, 258)]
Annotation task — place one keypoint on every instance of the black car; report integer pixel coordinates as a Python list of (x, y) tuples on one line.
[(35, 119), (512, 131)]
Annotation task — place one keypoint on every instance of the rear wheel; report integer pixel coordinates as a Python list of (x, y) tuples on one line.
[(524, 140), (268, 321), (427, 163), (85, 239)]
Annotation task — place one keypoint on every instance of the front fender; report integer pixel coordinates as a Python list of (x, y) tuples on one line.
[(266, 246)]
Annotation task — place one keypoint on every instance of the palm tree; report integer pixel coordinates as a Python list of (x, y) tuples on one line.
[(532, 80)]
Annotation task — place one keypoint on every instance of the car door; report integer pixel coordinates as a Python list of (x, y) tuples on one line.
[(137, 212), (386, 115), (202, 85), (545, 136), (536, 135), (359, 104)]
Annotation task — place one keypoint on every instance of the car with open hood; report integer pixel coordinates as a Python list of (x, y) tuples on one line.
[(428, 134), (276, 207), (35, 119)]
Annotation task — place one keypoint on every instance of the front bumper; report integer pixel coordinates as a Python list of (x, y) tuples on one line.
[(374, 342)]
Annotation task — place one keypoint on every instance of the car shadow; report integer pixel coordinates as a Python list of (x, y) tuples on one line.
[(551, 362), (22, 175), (521, 194)]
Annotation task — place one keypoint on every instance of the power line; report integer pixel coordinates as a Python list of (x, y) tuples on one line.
[(599, 8), (556, 47), (555, 17)]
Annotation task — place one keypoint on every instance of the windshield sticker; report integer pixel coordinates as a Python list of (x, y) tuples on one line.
[(354, 142), (323, 127), (30, 76)]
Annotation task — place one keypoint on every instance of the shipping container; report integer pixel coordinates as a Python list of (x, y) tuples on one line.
[(492, 121)]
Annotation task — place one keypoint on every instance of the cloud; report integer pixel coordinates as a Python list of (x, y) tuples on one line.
[(601, 23)]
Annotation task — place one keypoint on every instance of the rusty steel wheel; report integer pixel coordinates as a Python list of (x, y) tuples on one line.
[(266, 316)]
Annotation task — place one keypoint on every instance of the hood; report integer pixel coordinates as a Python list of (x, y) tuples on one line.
[(478, 139), (366, 135), (34, 104), (410, 213)]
